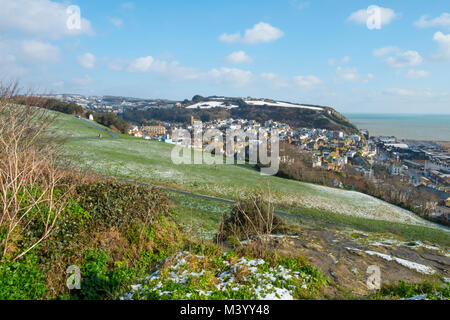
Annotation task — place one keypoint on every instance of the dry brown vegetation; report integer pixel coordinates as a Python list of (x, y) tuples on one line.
[(251, 218), (28, 172)]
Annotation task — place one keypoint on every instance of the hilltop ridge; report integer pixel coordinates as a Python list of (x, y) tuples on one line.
[(261, 110)]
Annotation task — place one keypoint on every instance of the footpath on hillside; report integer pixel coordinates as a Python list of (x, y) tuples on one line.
[(89, 123)]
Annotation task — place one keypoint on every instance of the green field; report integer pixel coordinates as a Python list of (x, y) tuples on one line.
[(150, 161), (71, 127)]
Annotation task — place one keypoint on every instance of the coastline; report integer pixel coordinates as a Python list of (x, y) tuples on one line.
[(430, 128)]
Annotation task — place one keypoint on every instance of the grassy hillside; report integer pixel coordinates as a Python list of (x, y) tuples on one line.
[(132, 241), (72, 128), (150, 161)]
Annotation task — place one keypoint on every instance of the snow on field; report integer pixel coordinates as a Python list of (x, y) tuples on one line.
[(146, 160), (280, 104), (220, 103), (406, 263), (211, 104), (390, 241), (354, 203)]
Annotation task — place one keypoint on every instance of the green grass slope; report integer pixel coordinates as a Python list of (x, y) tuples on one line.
[(150, 161), (70, 127)]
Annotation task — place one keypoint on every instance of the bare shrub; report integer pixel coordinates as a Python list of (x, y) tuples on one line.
[(29, 174), (253, 217)]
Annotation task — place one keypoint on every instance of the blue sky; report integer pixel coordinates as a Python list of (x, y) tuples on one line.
[(317, 52)]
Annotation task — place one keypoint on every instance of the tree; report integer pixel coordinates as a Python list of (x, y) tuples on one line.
[(197, 98)]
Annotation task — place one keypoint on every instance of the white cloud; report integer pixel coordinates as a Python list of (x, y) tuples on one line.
[(117, 65), (344, 60), (361, 16), (426, 93), (18, 57), (8, 63), (87, 60), (37, 51), (443, 41), (238, 57), (268, 76), (260, 33), (400, 92), (141, 64), (43, 18), (352, 75), (405, 59), (307, 81), (230, 38), (170, 69), (384, 51), (442, 21), (116, 22), (347, 74), (417, 74), (177, 72), (235, 77), (274, 80), (399, 58)]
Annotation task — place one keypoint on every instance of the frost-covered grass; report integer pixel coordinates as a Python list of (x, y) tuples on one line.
[(408, 232), (70, 127), (218, 276), (149, 160), (134, 158), (200, 217), (354, 204)]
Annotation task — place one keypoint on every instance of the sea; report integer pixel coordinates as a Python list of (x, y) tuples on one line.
[(404, 126)]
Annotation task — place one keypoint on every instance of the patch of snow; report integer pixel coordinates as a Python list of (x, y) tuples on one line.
[(280, 104), (263, 286), (406, 263), (211, 104), (420, 297)]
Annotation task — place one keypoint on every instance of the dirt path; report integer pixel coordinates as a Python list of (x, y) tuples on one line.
[(345, 254)]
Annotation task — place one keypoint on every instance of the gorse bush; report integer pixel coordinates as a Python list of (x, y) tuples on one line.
[(115, 231), (115, 204)]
